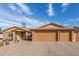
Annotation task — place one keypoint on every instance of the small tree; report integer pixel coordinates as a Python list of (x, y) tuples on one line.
[(23, 24)]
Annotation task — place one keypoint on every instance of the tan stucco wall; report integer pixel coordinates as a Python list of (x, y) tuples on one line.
[(16, 35), (5, 35)]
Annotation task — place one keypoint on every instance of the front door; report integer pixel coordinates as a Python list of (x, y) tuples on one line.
[(23, 35), (19, 36)]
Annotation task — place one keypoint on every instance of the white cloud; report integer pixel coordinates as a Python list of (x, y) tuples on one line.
[(74, 20), (9, 20), (31, 23), (16, 19), (4, 24), (19, 11), (71, 22), (67, 24), (8, 17), (24, 8), (50, 10), (64, 6), (12, 7)]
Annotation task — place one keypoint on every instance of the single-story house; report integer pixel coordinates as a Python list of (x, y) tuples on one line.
[(18, 33), (48, 32), (53, 32)]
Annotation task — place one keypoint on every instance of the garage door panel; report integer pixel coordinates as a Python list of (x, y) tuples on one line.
[(64, 36), (45, 36), (77, 36)]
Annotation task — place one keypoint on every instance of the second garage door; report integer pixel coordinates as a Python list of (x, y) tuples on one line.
[(64, 36), (77, 36), (45, 36)]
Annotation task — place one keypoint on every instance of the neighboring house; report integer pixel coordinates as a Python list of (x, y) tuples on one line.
[(52, 32), (16, 33)]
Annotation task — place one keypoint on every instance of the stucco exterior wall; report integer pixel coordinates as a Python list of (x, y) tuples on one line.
[(5, 35), (17, 33)]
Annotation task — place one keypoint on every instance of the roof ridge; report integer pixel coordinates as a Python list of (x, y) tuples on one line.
[(16, 27), (53, 24)]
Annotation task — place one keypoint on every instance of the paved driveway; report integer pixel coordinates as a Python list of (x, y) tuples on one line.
[(26, 48)]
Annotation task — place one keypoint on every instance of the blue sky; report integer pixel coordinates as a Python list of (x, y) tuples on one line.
[(37, 14)]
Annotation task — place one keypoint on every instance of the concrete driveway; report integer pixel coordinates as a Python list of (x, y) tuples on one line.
[(26, 48)]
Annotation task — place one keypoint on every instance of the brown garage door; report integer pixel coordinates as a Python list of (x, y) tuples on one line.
[(77, 36), (64, 36), (45, 36)]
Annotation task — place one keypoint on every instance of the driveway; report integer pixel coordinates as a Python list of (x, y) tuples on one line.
[(28, 48)]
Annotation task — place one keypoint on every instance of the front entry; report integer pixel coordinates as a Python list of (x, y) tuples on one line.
[(18, 36), (24, 36)]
